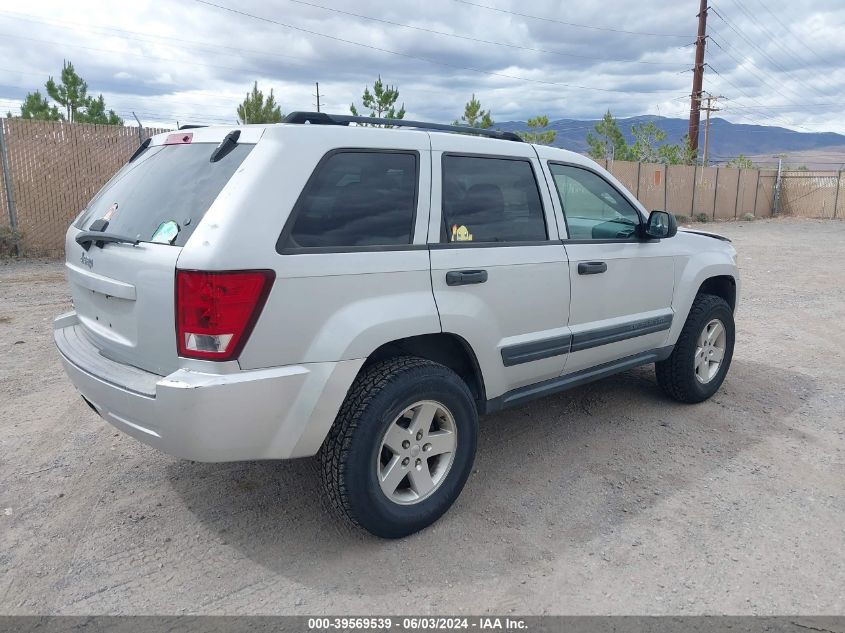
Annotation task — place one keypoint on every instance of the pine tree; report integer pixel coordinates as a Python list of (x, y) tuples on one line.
[(474, 116), (541, 136), (255, 109), (647, 140), (95, 112), (609, 142), (71, 93), (381, 102), (35, 106)]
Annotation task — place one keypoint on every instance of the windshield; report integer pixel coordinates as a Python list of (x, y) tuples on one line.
[(163, 194)]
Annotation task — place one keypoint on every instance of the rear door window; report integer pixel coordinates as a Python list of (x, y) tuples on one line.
[(491, 200), (356, 199), (164, 193)]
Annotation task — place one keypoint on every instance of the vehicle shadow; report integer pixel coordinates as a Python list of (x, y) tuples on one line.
[(557, 473)]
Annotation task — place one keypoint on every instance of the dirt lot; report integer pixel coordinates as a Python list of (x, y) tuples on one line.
[(606, 499)]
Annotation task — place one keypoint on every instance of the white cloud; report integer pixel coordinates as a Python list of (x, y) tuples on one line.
[(176, 59)]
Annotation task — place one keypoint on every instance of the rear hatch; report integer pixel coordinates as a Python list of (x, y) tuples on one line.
[(123, 294)]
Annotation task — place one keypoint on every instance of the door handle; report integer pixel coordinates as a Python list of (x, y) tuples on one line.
[(592, 268), (464, 277)]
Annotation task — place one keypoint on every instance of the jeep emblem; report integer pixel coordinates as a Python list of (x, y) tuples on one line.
[(87, 261)]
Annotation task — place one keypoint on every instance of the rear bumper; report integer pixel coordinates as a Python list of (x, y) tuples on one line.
[(275, 413)]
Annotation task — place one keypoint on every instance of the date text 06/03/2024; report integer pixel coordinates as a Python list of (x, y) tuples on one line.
[(426, 623)]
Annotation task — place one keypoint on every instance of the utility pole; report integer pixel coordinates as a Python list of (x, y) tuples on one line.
[(318, 95), (710, 108), (698, 77)]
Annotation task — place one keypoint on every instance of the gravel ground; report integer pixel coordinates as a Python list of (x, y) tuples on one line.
[(608, 499)]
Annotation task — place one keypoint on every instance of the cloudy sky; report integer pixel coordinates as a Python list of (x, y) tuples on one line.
[(775, 62)]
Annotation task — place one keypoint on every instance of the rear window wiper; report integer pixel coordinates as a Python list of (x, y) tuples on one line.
[(86, 238)]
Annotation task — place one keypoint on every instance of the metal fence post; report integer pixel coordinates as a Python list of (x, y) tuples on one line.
[(692, 204), (7, 180), (716, 192), (736, 203), (776, 201), (756, 192), (665, 186), (836, 199), (639, 167)]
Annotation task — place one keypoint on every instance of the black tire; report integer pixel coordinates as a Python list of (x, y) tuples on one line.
[(676, 374), (350, 452)]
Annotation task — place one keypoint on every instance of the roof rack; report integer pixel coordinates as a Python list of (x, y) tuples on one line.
[(321, 118)]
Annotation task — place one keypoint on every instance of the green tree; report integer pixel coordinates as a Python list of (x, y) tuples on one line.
[(71, 94), (536, 132), (256, 109), (649, 144), (381, 102), (685, 154), (608, 140), (474, 116), (95, 112), (35, 106), (647, 140), (740, 162)]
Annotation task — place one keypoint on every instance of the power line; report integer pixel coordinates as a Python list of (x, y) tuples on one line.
[(791, 32), (124, 54), (782, 44), (145, 38), (790, 107), (479, 40), (572, 24), (752, 99), (759, 49), (419, 57), (757, 72), (791, 51)]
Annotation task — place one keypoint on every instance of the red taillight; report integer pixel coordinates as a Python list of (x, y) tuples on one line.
[(216, 311)]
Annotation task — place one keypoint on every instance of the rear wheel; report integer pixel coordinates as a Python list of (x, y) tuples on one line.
[(703, 353), (402, 446)]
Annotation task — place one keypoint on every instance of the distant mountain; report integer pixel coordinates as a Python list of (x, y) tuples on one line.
[(726, 139)]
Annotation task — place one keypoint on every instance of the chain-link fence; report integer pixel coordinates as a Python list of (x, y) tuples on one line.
[(812, 194), (54, 169)]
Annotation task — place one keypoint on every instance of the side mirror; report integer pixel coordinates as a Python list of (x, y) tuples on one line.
[(660, 224)]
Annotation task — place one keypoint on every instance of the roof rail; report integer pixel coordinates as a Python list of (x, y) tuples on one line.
[(321, 118)]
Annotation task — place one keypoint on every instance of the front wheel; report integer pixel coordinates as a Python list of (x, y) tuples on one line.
[(402, 446), (703, 353)]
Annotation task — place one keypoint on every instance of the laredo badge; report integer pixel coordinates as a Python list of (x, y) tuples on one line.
[(461, 233)]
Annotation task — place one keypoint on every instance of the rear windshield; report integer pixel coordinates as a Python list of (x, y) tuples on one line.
[(163, 194)]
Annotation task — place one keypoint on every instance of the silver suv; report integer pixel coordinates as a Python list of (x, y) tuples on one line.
[(364, 294)]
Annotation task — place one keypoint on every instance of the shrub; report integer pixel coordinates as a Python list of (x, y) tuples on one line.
[(11, 242), (682, 219), (701, 217), (748, 217)]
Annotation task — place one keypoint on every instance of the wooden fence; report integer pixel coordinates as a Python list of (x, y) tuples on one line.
[(55, 168)]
